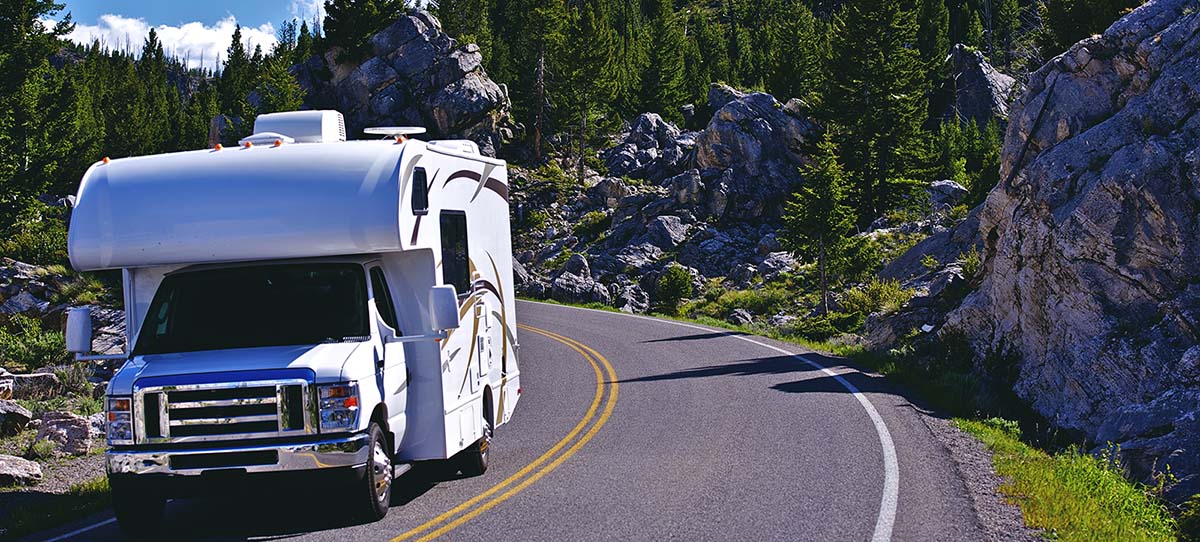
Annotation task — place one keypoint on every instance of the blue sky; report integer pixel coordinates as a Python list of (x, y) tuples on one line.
[(176, 13), (197, 31)]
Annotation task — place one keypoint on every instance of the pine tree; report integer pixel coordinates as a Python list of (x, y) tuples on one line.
[(797, 63), (26, 83), (933, 36), (588, 77), (236, 78), (818, 221), (632, 54), (277, 88), (349, 24), (714, 57), (974, 31), (304, 44), (1007, 23), (876, 92), (468, 21), (663, 79), (538, 39)]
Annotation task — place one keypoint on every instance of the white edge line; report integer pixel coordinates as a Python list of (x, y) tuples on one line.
[(891, 468), (81, 530)]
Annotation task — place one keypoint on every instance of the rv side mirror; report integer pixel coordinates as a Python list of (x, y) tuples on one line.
[(79, 330), (443, 307)]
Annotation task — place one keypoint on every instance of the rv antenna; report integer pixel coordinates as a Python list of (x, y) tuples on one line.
[(393, 131)]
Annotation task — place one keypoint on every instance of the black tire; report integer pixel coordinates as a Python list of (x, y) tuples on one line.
[(474, 459), (139, 510), (375, 487)]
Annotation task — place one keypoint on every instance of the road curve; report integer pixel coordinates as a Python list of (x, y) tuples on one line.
[(632, 428)]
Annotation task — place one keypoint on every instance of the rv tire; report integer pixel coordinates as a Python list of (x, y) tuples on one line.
[(375, 487), (474, 461)]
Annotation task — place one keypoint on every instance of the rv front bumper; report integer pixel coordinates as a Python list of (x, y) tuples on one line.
[(346, 452)]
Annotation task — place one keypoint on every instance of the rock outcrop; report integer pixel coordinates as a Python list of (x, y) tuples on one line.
[(16, 471), (417, 76), (13, 418), (977, 91), (71, 433), (1090, 248), (704, 199)]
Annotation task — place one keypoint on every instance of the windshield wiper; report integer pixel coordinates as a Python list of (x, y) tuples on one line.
[(350, 339)]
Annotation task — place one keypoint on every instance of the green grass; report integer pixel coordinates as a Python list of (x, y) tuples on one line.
[(1072, 496), (43, 513)]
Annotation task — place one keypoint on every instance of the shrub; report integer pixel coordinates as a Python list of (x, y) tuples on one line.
[(38, 236), (40, 449), (1189, 520), (971, 263), (674, 285), (876, 296), (930, 263), (24, 342), (537, 219), (592, 224), (825, 326), (83, 290), (75, 378), (958, 212)]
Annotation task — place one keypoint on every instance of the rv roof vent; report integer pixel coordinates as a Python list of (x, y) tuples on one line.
[(461, 145), (266, 138), (304, 126), (393, 131)]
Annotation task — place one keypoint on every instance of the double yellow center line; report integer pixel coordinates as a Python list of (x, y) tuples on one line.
[(548, 461)]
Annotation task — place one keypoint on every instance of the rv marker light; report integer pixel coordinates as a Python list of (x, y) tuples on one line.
[(218, 147), (105, 160), (248, 145), (278, 142)]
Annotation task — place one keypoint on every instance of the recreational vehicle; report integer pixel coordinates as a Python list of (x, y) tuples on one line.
[(300, 305)]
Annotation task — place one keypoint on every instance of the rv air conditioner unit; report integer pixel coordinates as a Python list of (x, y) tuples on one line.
[(303, 126)]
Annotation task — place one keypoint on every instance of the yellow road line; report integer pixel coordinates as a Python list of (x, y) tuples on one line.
[(587, 354)]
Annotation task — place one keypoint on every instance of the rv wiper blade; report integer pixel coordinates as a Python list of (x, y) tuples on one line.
[(350, 339)]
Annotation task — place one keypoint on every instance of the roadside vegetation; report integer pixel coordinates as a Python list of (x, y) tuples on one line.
[(81, 500)]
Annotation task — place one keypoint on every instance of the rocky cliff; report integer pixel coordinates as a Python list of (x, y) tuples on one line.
[(704, 199), (417, 76), (1091, 243)]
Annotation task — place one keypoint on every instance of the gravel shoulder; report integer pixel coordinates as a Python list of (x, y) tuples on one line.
[(1001, 520)]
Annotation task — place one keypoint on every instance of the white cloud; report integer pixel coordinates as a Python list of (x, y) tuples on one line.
[(191, 41), (307, 10)]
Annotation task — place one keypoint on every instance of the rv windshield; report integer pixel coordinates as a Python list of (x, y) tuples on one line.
[(246, 307)]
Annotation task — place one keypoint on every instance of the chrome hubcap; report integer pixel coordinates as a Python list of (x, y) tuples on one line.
[(381, 466)]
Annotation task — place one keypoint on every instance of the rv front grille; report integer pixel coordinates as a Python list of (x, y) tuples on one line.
[(224, 411)]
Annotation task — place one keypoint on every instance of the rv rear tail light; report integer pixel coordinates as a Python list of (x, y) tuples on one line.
[(339, 407), (120, 420)]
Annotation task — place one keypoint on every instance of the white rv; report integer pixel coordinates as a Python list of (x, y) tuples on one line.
[(300, 304)]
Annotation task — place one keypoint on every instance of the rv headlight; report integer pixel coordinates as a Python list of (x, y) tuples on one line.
[(339, 407), (119, 411)]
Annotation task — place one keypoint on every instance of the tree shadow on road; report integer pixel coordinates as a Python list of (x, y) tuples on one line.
[(809, 379), (699, 337)]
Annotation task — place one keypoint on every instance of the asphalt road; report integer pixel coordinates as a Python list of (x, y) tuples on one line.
[(638, 429)]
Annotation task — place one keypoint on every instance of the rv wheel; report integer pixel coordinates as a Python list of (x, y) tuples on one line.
[(475, 458), (376, 485), (139, 511)]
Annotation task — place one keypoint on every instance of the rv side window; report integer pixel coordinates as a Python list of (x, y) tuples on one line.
[(420, 192), (383, 298), (455, 266)]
